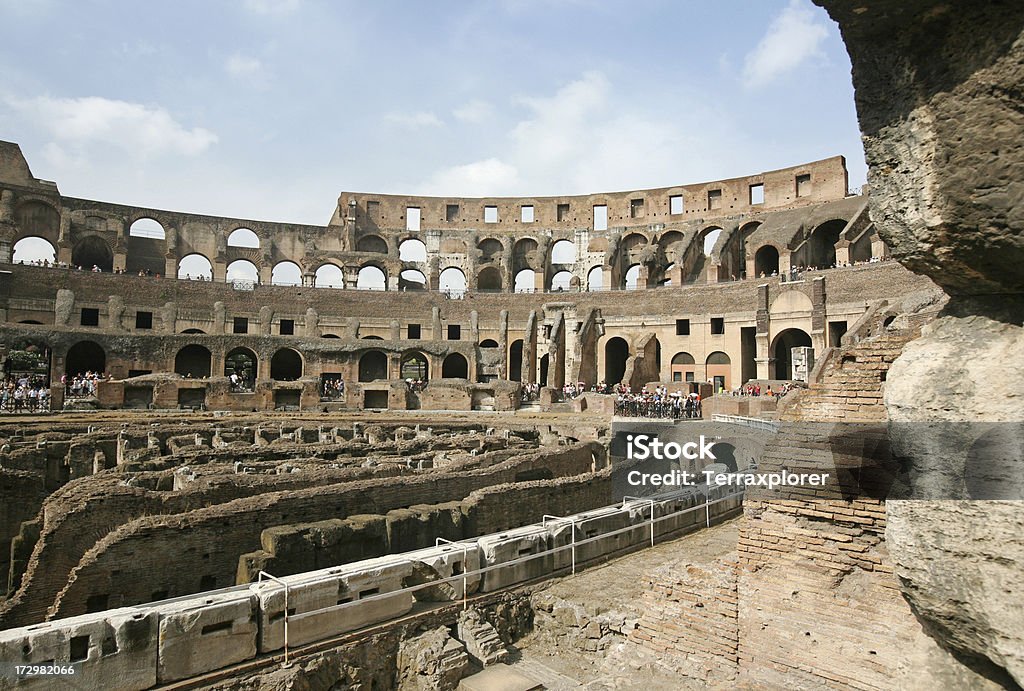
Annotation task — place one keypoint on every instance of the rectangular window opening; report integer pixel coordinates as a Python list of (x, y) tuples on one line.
[(215, 628), (90, 316), (451, 213), (636, 208), (600, 217), (714, 199), (757, 194), (454, 332), (526, 214), (717, 326), (143, 320), (373, 209), (490, 214), (79, 648), (368, 592), (412, 332), (240, 325), (287, 327), (675, 204), (803, 185), (412, 218), (682, 327), (562, 212)]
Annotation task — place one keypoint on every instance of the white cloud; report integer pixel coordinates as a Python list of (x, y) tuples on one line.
[(243, 66), (793, 37), (271, 6), (133, 127), (473, 112), (479, 179), (413, 121)]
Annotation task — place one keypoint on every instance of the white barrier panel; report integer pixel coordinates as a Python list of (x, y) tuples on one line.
[(591, 538), (205, 633), (447, 561), (115, 649), (326, 603), (515, 546)]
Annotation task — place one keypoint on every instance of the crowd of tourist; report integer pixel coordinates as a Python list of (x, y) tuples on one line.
[(81, 385), (529, 392), (659, 403), (25, 394), (332, 388), (754, 389)]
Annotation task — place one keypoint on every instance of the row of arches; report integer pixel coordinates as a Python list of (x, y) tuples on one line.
[(373, 366)]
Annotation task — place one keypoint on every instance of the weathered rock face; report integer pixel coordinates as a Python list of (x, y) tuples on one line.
[(940, 98), (959, 566)]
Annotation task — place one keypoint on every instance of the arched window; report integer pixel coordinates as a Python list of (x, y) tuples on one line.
[(488, 343), (411, 279), (147, 228), (242, 270), (329, 276), (34, 250), (412, 251), (525, 281), (242, 363), (371, 278), (489, 249), (452, 280), (489, 278), (710, 238), (196, 267), (455, 367), (632, 281), (193, 361), (373, 365), (560, 281), (766, 261), (93, 251), (286, 365), (415, 366), (515, 360), (563, 252), (595, 279), (243, 237), (286, 274), (85, 356)]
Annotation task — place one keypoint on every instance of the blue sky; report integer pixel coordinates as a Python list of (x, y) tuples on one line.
[(268, 109)]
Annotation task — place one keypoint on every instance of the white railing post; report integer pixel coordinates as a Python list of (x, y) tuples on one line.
[(465, 569), (262, 575)]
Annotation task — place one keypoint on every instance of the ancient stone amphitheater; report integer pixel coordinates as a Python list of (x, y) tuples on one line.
[(381, 453)]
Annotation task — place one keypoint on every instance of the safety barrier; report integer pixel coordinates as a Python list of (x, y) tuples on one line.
[(161, 642)]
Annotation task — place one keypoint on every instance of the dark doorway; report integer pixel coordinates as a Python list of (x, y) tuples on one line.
[(286, 365), (784, 342), (515, 361), (766, 262), (193, 361), (83, 357), (616, 352), (373, 365), (455, 367), (93, 251)]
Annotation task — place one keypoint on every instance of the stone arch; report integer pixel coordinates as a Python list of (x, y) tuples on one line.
[(286, 365), (489, 249), (709, 238), (521, 254), (195, 265), (412, 250), (146, 245), (412, 279), (718, 366), (242, 270), (563, 252), (32, 249), (489, 278), (286, 273), (372, 243), (243, 362), (595, 278), (373, 365), (193, 361), (683, 367), (92, 250), (821, 245), (329, 275), (193, 331), (766, 261), (560, 281), (452, 280), (616, 352), (525, 281), (147, 227), (515, 360), (415, 366), (38, 218), (631, 279), (85, 356), (781, 347), (244, 237), (455, 366), (488, 343), (372, 277)]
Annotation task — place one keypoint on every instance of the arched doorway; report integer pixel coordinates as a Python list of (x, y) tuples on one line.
[(718, 367), (93, 251), (243, 237), (488, 343), (85, 356), (411, 279), (412, 251), (455, 367), (329, 276), (415, 367), (193, 361), (286, 365), (452, 281), (372, 243), (781, 351), (371, 278), (766, 261), (616, 352), (489, 278), (821, 252), (373, 365), (34, 250), (544, 369), (195, 267), (286, 274), (684, 367), (242, 270), (515, 361), (241, 362)]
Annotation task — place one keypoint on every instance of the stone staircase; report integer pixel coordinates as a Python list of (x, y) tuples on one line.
[(482, 641)]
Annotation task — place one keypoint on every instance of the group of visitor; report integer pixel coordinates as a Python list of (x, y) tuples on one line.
[(416, 385), (332, 388), (25, 394), (530, 392), (239, 384), (572, 390), (659, 403), (82, 385)]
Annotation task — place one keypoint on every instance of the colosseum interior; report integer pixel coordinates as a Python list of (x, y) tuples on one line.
[(388, 452)]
